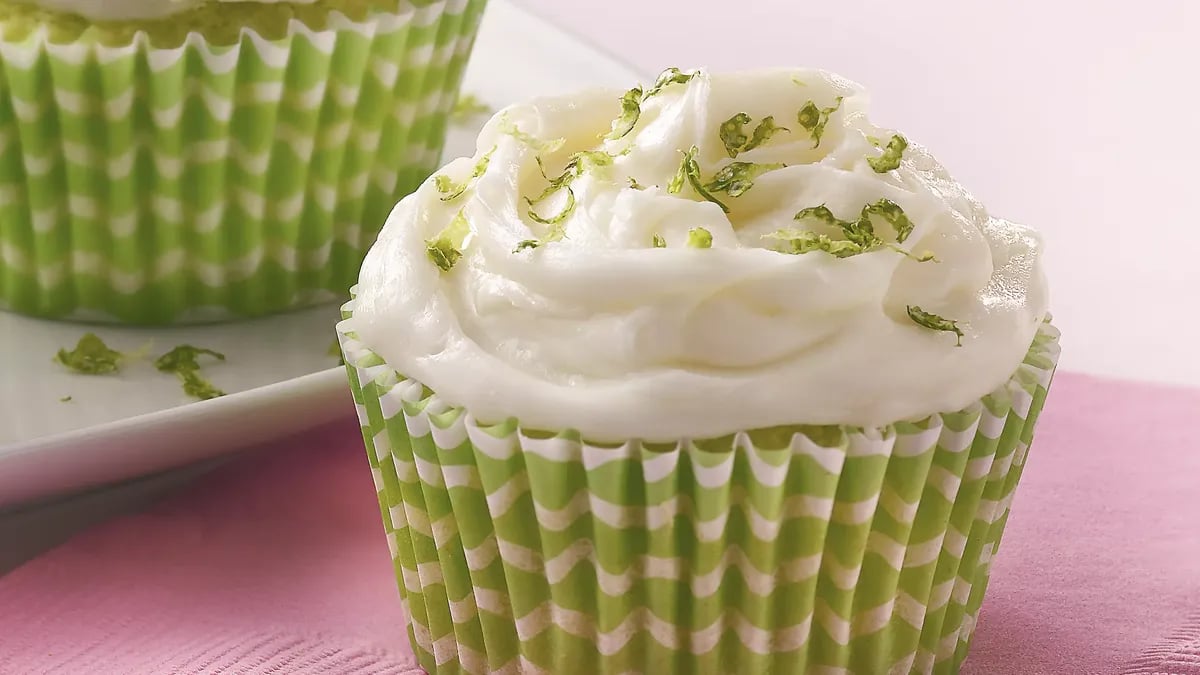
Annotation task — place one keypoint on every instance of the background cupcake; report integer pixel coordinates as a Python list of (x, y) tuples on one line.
[(194, 160), (744, 386)]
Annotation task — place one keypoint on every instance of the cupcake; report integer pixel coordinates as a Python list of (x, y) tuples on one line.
[(192, 160), (709, 376)]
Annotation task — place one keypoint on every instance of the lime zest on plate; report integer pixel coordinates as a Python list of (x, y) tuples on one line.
[(468, 107), (184, 362), (91, 357)]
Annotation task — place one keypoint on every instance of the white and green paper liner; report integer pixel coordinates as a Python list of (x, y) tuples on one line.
[(154, 185), (786, 550)]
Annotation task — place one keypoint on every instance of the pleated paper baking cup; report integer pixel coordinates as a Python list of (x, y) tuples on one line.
[(155, 185), (786, 550)]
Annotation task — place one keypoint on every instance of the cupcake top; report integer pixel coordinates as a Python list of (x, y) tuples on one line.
[(706, 254)]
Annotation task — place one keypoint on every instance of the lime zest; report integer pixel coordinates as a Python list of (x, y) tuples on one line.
[(734, 137), (183, 361), (451, 190), (798, 241), (736, 178), (91, 357), (445, 249), (631, 111), (468, 107), (689, 172), (890, 159), (934, 322), (632, 100), (699, 237), (814, 119), (895, 216)]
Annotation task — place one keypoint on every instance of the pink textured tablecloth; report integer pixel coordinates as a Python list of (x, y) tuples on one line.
[(277, 562)]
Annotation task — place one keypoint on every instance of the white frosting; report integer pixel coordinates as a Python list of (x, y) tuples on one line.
[(135, 10), (602, 333)]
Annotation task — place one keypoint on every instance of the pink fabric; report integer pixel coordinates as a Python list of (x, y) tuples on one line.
[(277, 562), (1177, 655)]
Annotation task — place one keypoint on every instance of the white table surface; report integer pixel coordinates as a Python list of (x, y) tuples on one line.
[(1074, 121), (1075, 118)]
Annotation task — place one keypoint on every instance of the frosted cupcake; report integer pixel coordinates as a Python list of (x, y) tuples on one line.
[(712, 376), (188, 160)]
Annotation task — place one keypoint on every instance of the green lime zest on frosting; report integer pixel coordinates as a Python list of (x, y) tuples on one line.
[(582, 161), (557, 230), (90, 357), (860, 232), (446, 248), (738, 177), (658, 242), (934, 322), (442, 254), (689, 172), (579, 163), (533, 142), (763, 132), (927, 256), (891, 212), (468, 107), (632, 100), (635, 185), (814, 119), (797, 241), (734, 136), (631, 110), (668, 77), (874, 140), (821, 213), (451, 190), (567, 209), (184, 362), (699, 237), (890, 159), (65, 399)]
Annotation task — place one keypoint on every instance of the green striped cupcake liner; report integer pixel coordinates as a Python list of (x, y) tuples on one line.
[(153, 185), (784, 551)]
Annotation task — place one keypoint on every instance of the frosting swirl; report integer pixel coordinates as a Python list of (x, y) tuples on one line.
[(608, 322)]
